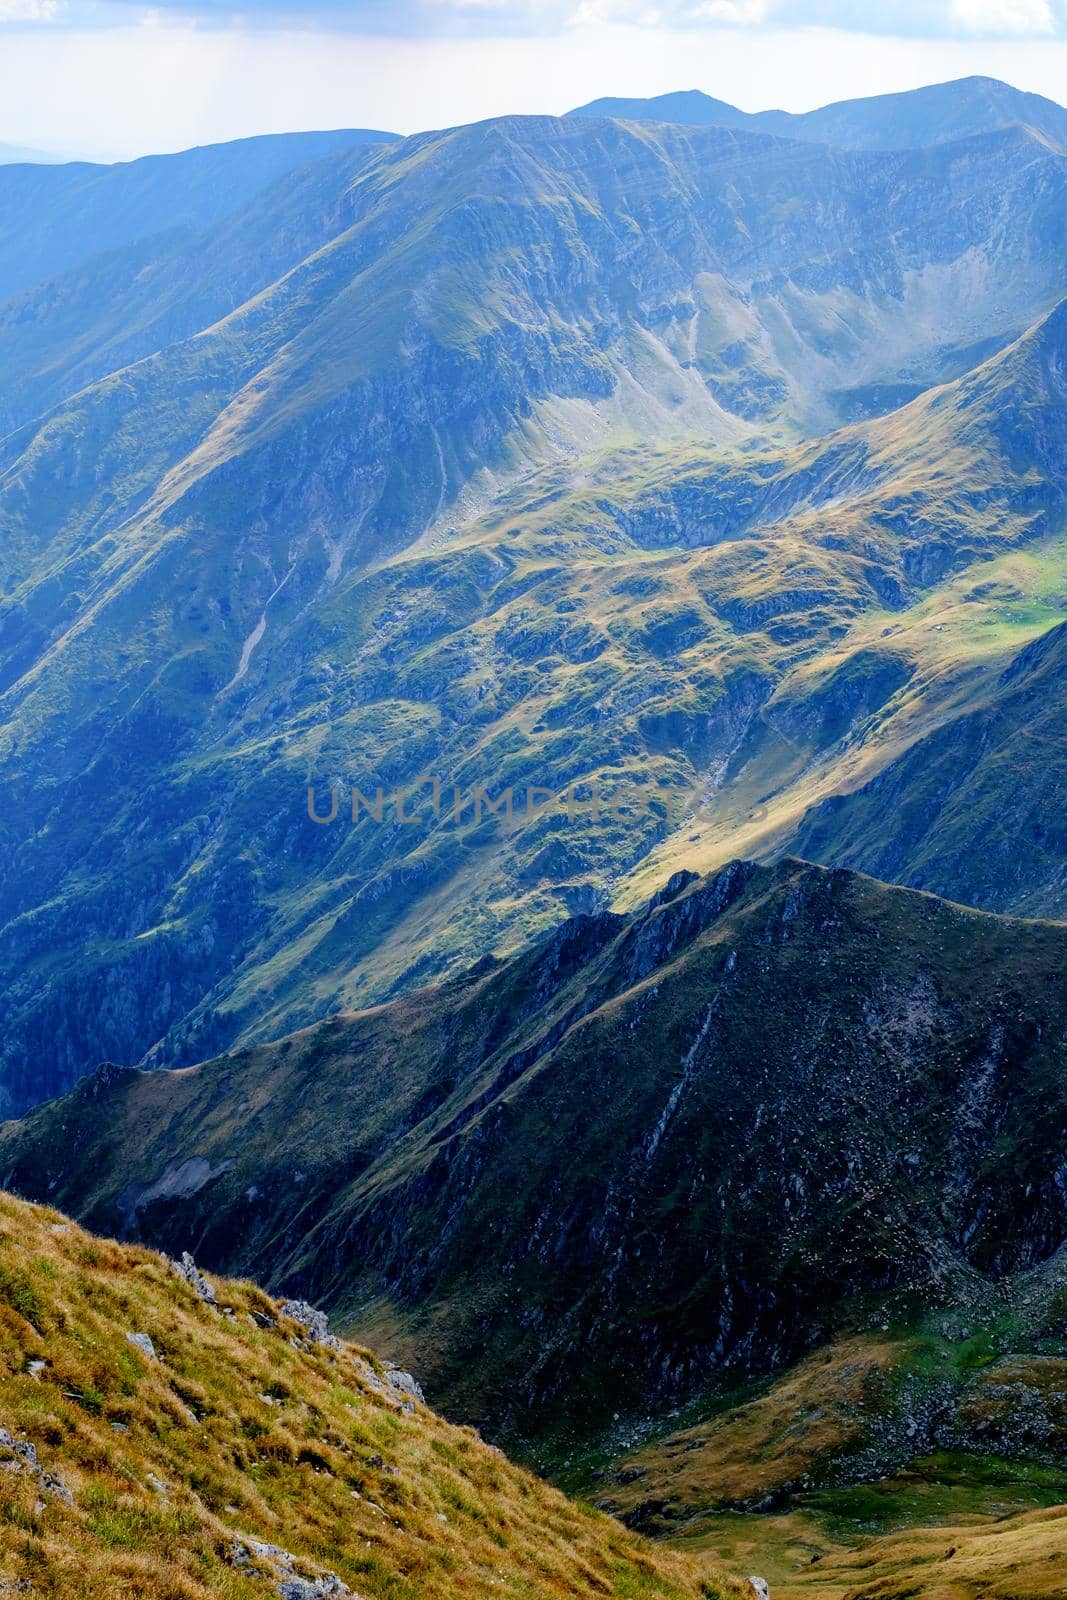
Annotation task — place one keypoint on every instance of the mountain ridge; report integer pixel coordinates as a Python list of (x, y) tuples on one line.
[(477, 1131), (62, 214), (218, 470), (931, 115)]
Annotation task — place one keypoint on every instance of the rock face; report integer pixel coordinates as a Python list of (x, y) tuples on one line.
[(649, 1150)]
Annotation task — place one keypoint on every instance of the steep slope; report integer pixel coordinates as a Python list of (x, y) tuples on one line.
[(426, 505), (974, 808), (958, 497), (172, 1438), (647, 1154), (133, 299), (915, 119), (58, 217)]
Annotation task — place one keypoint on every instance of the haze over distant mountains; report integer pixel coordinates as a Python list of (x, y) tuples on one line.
[(914, 119), (57, 220), (10, 153)]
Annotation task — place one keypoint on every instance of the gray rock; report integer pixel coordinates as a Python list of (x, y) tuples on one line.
[(324, 1588), (23, 1458), (761, 1588), (187, 1268), (53, 1484), (24, 1452), (143, 1343), (404, 1383), (315, 1323), (279, 1565)]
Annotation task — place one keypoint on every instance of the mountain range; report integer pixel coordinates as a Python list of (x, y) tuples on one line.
[(913, 120), (705, 466), (532, 668), (15, 153)]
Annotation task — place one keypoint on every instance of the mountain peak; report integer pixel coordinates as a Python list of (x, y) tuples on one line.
[(690, 107)]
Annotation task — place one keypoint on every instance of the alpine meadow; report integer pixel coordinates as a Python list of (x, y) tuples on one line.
[(533, 849)]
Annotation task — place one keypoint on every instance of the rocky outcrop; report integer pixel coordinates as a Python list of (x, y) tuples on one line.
[(315, 1323), (188, 1270), (19, 1455), (253, 1558)]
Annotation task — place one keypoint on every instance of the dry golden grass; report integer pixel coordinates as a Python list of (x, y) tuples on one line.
[(1019, 1558), (812, 1416), (242, 1429)]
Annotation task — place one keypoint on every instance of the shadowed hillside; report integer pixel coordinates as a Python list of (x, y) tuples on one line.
[(646, 1153)]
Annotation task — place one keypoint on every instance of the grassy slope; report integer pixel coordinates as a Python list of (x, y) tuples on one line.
[(936, 1409), (241, 1429), (1020, 1556)]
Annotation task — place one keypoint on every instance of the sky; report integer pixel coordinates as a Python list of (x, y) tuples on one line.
[(111, 79)]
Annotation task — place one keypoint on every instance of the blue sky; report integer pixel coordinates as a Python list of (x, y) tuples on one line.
[(115, 78)]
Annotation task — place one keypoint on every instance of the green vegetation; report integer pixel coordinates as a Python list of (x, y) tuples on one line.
[(716, 472)]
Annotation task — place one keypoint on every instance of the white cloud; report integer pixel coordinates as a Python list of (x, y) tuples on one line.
[(420, 19), (1004, 16), (737, 12), (28, 10)]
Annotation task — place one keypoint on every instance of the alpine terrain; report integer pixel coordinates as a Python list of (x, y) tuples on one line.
[(533, 674)]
